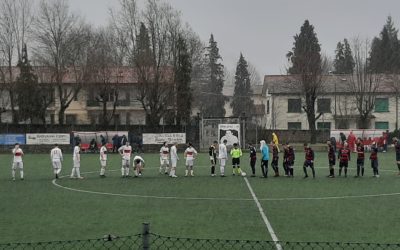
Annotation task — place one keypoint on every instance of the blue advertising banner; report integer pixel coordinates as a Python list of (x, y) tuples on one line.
[(10, 139)]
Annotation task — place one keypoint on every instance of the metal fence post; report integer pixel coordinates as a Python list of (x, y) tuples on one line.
[(146, 236)]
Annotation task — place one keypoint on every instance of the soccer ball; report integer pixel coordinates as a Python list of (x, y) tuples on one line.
[(243, 174)]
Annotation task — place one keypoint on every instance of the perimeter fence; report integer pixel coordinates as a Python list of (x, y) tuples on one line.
[(147, 240)]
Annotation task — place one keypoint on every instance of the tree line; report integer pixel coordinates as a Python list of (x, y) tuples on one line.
[(168, 57), (365, 62)]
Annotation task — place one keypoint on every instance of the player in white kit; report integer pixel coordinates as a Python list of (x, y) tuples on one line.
[(17, 162), (174, 160), (190, 154), (164, 158), (138, 165), (56, 157), (103, 160), (222, 156), (76, 158), (125, 151)]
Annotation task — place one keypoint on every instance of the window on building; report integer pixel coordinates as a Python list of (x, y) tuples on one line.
[(128, 118), (324, 105), (294, 125), (382, 125), (381, 105), (323, 125), (294, 105), (70, 119)]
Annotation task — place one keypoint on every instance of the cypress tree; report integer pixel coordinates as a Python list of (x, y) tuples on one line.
[(242, 101)]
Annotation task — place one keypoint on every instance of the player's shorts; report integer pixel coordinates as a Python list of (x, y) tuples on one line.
[(343, 164), (174, 162), (77, 164), (222, 162), (56, 164), (189, 162), (235, 161), (164, 161), (103, 163), (18, 164), (126, 162), (360, 162), (308, 163), (213, 160), (332, 163)]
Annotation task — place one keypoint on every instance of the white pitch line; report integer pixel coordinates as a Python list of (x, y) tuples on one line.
[(264, 217)]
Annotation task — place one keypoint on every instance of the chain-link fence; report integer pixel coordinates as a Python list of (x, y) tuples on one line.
[(148, 240)]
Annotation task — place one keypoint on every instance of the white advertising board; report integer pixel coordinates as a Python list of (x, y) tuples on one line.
[(47, 139), (180, 138)]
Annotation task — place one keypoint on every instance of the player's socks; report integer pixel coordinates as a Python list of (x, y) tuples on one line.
[(398, 166), (102, 170), (305, 171), (212, 169), (340, 171), (313, 171), (291, 171), (78, 172), (21, 174), (253, 170), (362, 171), (186, 172), (239, 171), (345, 172), (358, 170), (72, 173), (13, 173), (122, 171), (127, 171), (191, 172), (222, 170)]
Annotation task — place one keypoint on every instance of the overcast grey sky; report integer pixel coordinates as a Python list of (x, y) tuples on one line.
[(263, 30)]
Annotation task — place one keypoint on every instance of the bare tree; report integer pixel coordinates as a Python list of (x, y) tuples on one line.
[(15, 23), (395, 86), (61, 38), (364, 83), (255, 77)]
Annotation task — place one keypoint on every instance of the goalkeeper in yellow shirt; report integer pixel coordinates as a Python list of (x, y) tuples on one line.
[(236, 153)]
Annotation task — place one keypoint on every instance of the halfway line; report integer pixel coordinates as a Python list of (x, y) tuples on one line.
[(264, 217)]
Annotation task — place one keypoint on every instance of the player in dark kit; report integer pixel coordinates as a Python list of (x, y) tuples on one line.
[(374, 159), (275, 159), (360, 157), (309, 160), (213, 156), (285, 159), (331, 159), (290, 160), (253, 159), (396, 143), (344, 158)]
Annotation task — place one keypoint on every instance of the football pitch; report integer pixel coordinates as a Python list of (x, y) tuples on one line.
[(322, 209)]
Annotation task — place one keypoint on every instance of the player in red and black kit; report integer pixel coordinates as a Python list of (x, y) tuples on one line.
[(344, 158), (285, 159), (331, 159), (275, 159), (374, 159), (396, 143), (309, 160), (253, 159), (290, 160), (360, 157)]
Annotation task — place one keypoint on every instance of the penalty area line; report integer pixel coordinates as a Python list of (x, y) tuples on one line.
[(263, 216)]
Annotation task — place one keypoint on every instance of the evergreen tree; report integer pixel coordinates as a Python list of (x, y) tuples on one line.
[(214, 101), (183, 73), (143, 53), (33, 99), (307, 70), (385, 49), (339, 59), (344, 61), (348, 58), (242, 101)]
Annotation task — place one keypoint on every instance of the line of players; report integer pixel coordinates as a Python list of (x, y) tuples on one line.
[(166, 154)]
